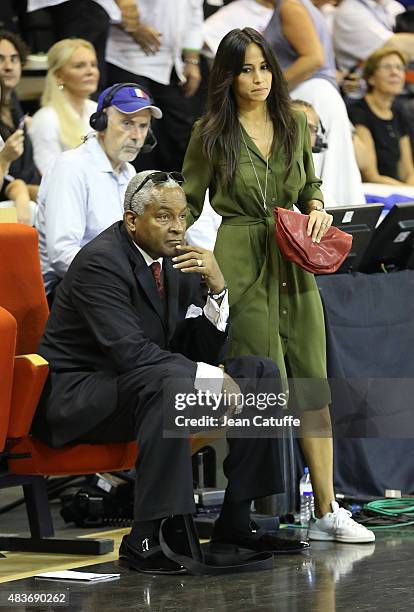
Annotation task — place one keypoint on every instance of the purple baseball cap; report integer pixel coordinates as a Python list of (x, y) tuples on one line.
[(128, 100)]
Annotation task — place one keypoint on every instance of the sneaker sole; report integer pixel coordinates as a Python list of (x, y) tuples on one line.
[(320, 536), (346, 540), (326, 537)]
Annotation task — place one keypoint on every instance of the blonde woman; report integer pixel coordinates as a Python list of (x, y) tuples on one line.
[(64, 117)]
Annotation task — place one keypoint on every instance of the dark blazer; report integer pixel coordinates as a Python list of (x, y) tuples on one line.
[(108, 319)]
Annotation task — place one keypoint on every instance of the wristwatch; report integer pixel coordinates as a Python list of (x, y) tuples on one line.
[(218, 296), (191, 60)]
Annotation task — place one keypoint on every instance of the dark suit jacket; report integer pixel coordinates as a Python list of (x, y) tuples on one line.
[(108, 319)]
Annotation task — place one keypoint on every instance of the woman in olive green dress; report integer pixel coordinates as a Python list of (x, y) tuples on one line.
[(252, 152)]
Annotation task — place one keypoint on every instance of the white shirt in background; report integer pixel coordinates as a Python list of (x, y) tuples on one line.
[(237, 14), (79, 197), (181, 25), (44, 133), (361, 27)]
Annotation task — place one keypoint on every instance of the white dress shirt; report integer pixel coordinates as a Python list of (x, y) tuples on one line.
[(237, 14), (44, 132), (79, 197), (361, 27), (181, 25), (208, 377)]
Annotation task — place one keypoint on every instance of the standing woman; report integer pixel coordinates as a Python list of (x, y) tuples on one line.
[(64, 117), (252, 151)]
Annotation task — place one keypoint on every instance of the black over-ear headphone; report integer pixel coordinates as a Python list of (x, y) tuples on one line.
[(99, 120), (321, 142)]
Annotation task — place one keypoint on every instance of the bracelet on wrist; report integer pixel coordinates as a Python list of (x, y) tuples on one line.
[(219, 295), (318, 208), (192, 61)]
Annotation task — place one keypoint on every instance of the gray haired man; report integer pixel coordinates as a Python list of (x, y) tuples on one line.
[(82, 192), (128, 321)]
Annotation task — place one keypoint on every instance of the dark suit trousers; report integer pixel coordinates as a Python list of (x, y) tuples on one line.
[(173, 130), (164, 480)]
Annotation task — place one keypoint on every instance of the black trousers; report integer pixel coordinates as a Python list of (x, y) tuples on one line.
[(83, 19), (164, 480), (173, 130)]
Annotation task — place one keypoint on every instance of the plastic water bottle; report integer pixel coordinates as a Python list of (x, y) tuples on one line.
[(306, 498)]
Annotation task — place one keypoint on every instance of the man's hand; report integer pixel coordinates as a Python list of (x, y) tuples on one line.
[(13, 147), (232, 396), (193, 78), (196, 259), (148, 38), (130, 14)]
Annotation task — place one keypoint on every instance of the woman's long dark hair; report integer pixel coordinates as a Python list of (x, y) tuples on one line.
[(219, 127), (5, 130)]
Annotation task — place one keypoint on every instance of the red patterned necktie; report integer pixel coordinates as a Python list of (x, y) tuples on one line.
[(156, 272)]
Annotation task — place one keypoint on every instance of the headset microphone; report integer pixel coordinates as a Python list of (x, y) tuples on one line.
[(321, 142), (150, 142)]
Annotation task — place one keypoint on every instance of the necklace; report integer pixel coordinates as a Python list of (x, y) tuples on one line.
[(263, 194)]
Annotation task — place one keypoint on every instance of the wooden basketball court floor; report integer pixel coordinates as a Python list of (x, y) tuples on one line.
[(329, 577)]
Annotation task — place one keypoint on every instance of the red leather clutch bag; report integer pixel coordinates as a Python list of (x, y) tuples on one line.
[(295, 245)]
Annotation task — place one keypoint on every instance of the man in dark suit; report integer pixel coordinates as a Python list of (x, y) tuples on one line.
[(120, 335)]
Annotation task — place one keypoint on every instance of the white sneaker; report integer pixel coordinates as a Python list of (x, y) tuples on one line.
[(338, 526)]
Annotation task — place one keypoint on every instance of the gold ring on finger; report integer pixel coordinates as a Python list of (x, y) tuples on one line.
[(199, 262)]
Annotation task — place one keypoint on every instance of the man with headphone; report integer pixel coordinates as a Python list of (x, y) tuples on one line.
[(82, 192)]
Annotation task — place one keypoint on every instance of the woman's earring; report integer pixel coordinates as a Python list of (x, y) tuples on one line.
[(61, 86)]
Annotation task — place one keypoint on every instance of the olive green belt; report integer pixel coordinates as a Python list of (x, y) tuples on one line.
[(245, 220)]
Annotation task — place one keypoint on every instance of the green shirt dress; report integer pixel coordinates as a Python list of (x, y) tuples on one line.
[(275, 307)]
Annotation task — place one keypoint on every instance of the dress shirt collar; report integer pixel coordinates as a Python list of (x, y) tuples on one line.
[(148, 259), (101, 159)]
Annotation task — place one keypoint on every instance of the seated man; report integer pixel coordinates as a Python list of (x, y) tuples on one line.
[(82, 192), (117, 341)]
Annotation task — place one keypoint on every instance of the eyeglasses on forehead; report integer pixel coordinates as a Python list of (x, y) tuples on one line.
[(160, 177)]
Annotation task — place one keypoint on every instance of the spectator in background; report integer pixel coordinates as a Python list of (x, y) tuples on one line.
[(9, 152), (237, 14), (88, 19), (82, 192), (318, 142), (317, 138), (363, 26), (299, 36), (162, 54), (64, 117), (23, 178), (380, 123)]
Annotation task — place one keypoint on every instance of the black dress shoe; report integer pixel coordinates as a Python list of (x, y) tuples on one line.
[(257, 539), (148, 559)]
